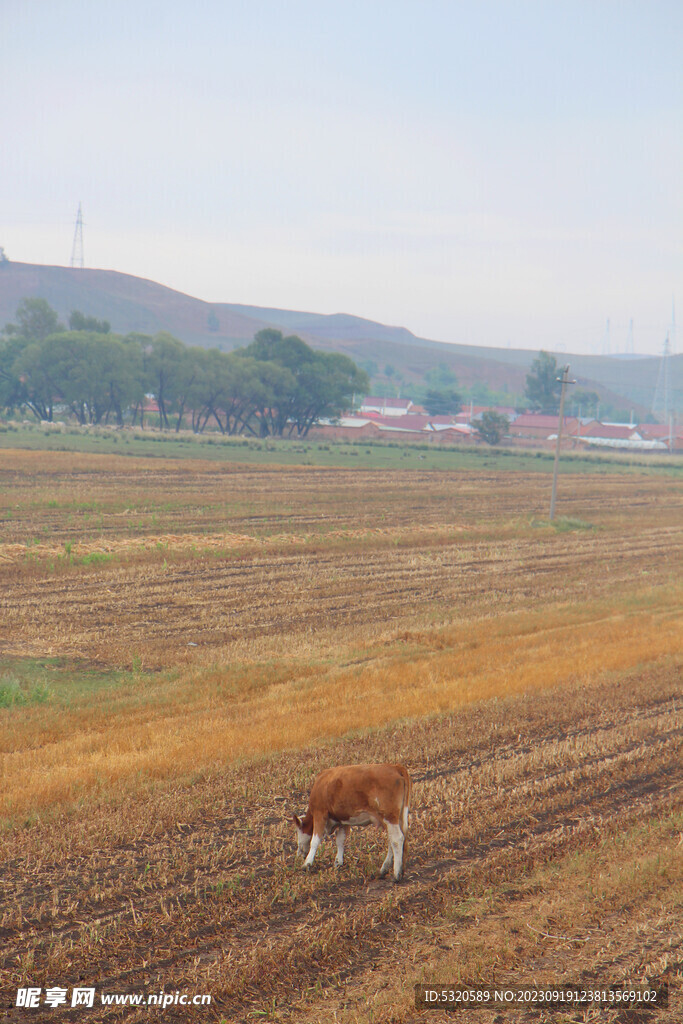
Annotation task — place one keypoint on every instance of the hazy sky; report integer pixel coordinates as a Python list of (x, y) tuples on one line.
[(483, 171)]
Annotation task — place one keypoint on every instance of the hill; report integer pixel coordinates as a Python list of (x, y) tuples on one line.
[(128, 303), (396, 357), (615, 378)]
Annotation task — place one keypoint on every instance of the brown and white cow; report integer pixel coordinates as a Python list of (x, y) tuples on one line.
[(357, 794)]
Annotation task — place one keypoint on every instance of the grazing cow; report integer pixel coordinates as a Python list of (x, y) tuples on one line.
[(358, 794)]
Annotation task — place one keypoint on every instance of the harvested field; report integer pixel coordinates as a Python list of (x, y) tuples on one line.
[(233, 559), (184, 644), (545, 844)]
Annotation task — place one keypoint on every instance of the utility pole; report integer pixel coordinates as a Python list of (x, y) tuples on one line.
[(564, 379)]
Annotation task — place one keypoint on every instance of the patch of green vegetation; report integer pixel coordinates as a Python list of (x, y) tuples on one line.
[(564, 524), (357, 454), (94, 558), (86, 506), (15, 692), (58, 682)]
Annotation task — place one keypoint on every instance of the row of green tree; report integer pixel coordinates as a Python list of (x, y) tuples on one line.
[(276, 385), (440, 394)]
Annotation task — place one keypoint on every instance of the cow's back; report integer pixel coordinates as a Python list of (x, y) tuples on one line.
[(345, 791)]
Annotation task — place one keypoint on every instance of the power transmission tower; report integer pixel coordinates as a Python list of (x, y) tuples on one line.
[(77, 247), (606, 342), (661, 400)]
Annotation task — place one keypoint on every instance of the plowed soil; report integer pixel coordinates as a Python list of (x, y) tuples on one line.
[(233, 561), (202, 887), (545, 839)]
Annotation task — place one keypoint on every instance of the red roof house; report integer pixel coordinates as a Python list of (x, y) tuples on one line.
[(538, 425)]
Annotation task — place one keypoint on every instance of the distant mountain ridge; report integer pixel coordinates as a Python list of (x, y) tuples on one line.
[(128, 303), (330, 325), (132, 303)]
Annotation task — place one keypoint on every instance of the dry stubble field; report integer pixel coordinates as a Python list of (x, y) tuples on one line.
[(185, 644)]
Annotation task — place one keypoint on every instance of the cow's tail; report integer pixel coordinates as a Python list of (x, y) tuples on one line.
[(406, 801)]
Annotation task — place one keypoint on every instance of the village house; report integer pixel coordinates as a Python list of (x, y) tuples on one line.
[(611, 431), (473, 413), (388, 406), (540, 427), (408, 428), (399, 419), (620, 435), (662, 432)]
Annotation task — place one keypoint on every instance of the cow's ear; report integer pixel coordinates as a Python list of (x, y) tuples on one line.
[(297, 821)]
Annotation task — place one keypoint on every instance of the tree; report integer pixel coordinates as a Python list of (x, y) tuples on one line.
[(326, 388), (12, 389), (442, 403), (186, 378), (277, 385), (164, 370), (542, 387), (586, 401), (228, 389), (35, 320), (301, 385), (481, 393), (441, 377), (80, 322), (34, 388), (95, 375), (493, 426), (369, 366)]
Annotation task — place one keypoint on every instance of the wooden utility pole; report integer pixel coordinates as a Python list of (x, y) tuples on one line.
[(564, 380)]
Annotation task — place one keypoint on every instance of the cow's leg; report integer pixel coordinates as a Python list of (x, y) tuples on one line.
[(389, 859), (315, 843), (342, 833), (319, 829), (396, 839)]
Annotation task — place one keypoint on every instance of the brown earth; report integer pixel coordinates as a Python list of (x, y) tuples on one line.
[(231, 559), (199, 885), (545, 831)]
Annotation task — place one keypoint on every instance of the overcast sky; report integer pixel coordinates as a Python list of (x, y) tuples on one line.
[(481, 171)]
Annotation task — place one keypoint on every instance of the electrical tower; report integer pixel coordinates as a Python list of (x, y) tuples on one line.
[(607, 342), (661, 403), (77, 247)]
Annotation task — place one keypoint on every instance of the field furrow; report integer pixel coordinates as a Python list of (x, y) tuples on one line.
[(229, 883), (185, 644)]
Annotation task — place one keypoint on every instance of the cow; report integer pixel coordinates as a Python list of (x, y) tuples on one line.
[(357, 794)]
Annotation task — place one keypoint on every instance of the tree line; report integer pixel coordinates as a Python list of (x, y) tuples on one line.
[(274, 386)]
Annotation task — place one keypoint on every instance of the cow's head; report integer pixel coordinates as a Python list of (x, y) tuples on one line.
[(303, 835)]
